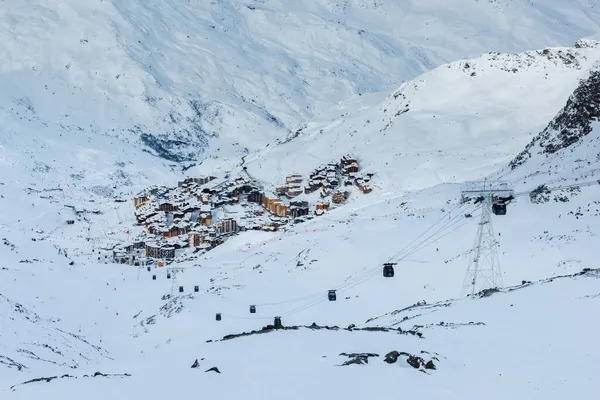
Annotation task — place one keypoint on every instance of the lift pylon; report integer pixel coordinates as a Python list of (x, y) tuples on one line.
[(483, 271)]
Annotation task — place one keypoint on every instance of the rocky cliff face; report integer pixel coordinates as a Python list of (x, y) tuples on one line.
[(571, 124)]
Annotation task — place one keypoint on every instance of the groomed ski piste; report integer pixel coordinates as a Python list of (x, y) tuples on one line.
[(73, 328)]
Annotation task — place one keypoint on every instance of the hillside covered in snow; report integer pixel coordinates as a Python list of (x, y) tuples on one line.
[(458, 122), (177, 78), (200, 198)]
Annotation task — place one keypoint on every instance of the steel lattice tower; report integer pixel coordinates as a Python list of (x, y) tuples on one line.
[(173, 271), (484, 270)]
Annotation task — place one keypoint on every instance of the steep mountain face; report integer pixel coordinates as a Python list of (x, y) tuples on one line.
[(461, 121), (177, 78), (574, 126)]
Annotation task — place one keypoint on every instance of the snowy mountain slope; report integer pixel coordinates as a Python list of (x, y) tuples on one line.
[(54, 169), (570, 145), (527, 328), (44, 346), (461, 121), (34, 337), (156, 339), (176, 77), (288, 277)]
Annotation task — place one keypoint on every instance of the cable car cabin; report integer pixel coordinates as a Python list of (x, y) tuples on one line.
[(149, 269), (180, 289), (153, 277), (277, 323), (499, 208), (332, 296), (218, 316), (388, 270), (252, 309), (196, 288)]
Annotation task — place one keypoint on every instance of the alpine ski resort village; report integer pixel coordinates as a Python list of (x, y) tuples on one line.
[(181, 218), (248, 199)]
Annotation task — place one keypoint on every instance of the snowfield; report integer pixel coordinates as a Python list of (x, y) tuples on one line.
[(180, 77), (103, 99), (458, 122)]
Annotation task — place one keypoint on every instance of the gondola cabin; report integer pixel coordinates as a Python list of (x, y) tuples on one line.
[(252, 309), (499, 208), (153, 277), (196, 289), (388, 270), (149, 269), (277, 323), (180, 289), (332, 296), (218, 316), (168, 276)]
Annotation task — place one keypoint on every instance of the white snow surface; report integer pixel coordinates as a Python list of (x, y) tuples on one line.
[(235, 75), (460, 121), (59, 154)]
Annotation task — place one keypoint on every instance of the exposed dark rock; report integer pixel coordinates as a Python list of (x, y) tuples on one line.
[(314, 326), (571, 124), (541, 194), (391, 357), (10, 363), (196, 364), (429, 365), (358, 358), (415, 361), (357, 361), (164, 147), (213, 369), (266, 329), (51, 378), (487, 292)]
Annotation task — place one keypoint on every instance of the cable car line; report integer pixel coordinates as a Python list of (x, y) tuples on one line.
[(375, 271), (569, 186), (317, 297), (413, 250), (449, 226)]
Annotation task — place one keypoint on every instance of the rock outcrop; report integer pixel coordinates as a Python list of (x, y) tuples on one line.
[(570, 125)]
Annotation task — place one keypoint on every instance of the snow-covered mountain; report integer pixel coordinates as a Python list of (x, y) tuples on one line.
[(569, 147), (178, 76), (460, 121), (102, 99)]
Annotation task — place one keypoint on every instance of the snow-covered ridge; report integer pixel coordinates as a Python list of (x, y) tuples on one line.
[(460, 121), (571, 125), (180, 78)]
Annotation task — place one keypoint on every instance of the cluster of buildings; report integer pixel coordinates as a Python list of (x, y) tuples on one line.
[(200, 213), (329, 178)]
